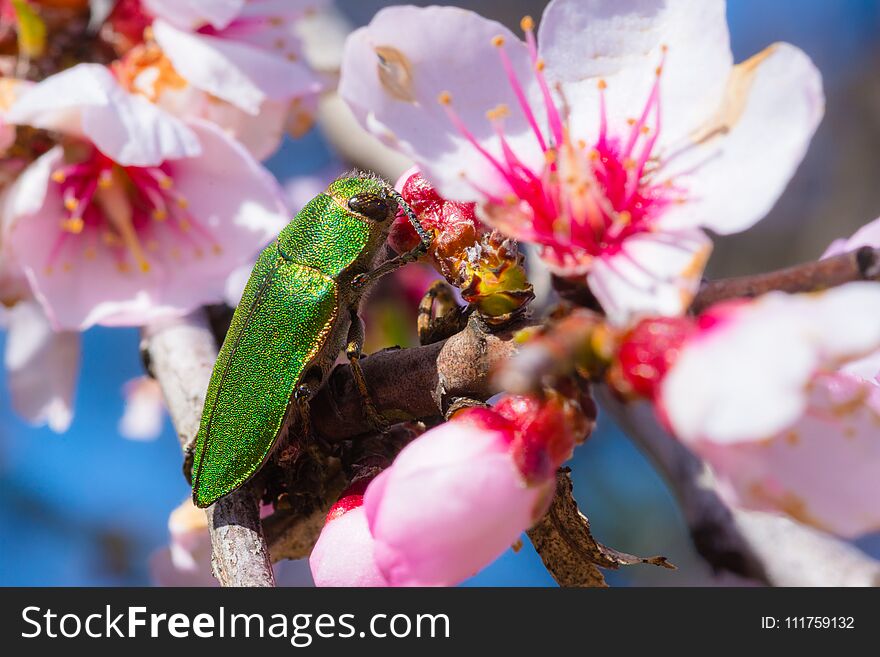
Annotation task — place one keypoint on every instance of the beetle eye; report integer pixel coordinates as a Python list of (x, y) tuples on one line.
[(371, 206)]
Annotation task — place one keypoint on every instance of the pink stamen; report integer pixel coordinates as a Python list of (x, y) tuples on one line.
[(521, 96)]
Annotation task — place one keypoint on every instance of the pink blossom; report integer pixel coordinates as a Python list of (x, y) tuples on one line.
[(343, 554), (459, 495), (144, 409), (611, 139), (137, 215), (242, 51), (759, 390)]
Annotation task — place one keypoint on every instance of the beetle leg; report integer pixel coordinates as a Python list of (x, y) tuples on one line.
[(439, 315), (302, 396), (365, 279), (353, 346)]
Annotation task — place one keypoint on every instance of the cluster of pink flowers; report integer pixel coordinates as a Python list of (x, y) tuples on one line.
[(150, 192)]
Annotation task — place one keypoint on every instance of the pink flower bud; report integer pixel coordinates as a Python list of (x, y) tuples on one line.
[(343, 555), (458, 496)]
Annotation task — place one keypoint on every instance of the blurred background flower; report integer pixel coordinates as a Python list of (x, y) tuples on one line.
[(88, 508)]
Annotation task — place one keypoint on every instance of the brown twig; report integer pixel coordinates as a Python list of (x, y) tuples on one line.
[(181, 355), (860, 265)]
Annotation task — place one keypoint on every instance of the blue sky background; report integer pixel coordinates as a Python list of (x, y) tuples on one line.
[(88, 507)]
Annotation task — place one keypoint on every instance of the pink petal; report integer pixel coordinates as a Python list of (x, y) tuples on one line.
[(237, 72), (427, 52), (343, 554), (41, 367), (742, 162), (451, 503), (233, 198), (86, 101), (712, 392), (192, 14), (653, 274), (823, 470)]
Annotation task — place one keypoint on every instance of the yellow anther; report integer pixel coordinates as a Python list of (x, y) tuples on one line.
[(550, 155), (216, 249), (160, 214), (110, 239), (498, 41), (71, 203), (182, 202), (73, 225), (149, 35), (602, 84), (664, 48), (630, 121), (145, 266), (445, 98), (624, 217), (165, 182), (58, 176), (539, 65), (511, 199), (629, 164), (527, 24), (594, 155), (498, 112), (105, 179), (658, 71), (645, 130)]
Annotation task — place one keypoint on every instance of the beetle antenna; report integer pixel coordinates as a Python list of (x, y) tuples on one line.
[(411, 215)]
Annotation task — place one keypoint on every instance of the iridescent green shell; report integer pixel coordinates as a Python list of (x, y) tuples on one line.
[(288, 311)]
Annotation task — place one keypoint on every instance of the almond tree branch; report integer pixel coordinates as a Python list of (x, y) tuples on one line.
[(860, 265), (181, 354)]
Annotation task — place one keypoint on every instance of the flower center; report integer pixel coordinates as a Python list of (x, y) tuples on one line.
[(588, 197), (134, 212)]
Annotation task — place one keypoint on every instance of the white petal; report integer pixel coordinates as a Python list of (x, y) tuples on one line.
[(144, 409), (86, 101), (192, 14), (237, 72), (652, 274), (622, 41), (41, 367), (746, 377), (427, 52), (867, 235), (739, 163)]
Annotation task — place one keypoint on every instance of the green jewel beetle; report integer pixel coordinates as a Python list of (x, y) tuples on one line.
[(299, 309)]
